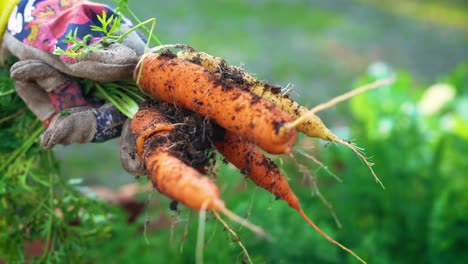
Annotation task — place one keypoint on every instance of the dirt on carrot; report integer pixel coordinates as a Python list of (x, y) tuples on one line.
[(192, 134), (176, 147), (218, 96)]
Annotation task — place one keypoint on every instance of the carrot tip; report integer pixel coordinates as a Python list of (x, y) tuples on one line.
[(327, 237), (364, 159)]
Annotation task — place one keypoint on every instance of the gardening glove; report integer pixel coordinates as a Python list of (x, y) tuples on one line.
[(45, 27), (37, 71), (36, 99), (35, 29), (128, 155), (63, 91), (77, 126), (83, 125)]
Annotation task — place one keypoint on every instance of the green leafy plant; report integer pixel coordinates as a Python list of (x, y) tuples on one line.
[(420, 158), (123, 94), (40, 210), (109, 27), (78, 48)]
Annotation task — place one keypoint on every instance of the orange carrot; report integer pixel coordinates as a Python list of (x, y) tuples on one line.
[(264, 173), (169, 174), (193, 87)]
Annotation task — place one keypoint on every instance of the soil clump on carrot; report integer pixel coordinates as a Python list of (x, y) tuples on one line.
[(231, 106), (193, 138), (229, 75)]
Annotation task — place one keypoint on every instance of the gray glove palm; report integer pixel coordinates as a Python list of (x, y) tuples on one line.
[(128, 155), (77, 126)]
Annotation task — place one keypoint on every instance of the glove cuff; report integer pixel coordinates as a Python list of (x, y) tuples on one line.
[(79, 126)]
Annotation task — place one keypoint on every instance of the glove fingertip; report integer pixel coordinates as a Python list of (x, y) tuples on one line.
[(46, 142)]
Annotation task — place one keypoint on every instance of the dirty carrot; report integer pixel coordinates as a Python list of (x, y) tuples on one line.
[(305, 121), (312, 127), (264, 173), (193, 87), (170, 175)]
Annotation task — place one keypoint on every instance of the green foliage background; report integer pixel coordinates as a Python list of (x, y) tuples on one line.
[(322, 47)]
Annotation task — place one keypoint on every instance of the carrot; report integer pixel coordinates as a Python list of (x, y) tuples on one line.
[(313, 126), (264, 173), (193, 87), (306, 121), (169, 174)]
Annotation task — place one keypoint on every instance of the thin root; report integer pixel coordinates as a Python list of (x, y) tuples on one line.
[(359, 152), (147, 218), (185, 234), (329, 206), (212, 234), (249, 209), (256, 229), (246, 253), (287, 90), (201, 234), (334, 101), (320, 164), (315, 189)]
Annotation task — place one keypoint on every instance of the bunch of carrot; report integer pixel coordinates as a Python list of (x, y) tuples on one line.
[(250, 114)]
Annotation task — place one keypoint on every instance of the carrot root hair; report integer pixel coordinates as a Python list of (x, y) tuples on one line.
[(315, 189), (220, 207), (316, 161), (138, 68), (359, 152), (244, 250)]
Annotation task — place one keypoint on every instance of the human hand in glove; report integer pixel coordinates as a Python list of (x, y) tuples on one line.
[(46, 82)]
